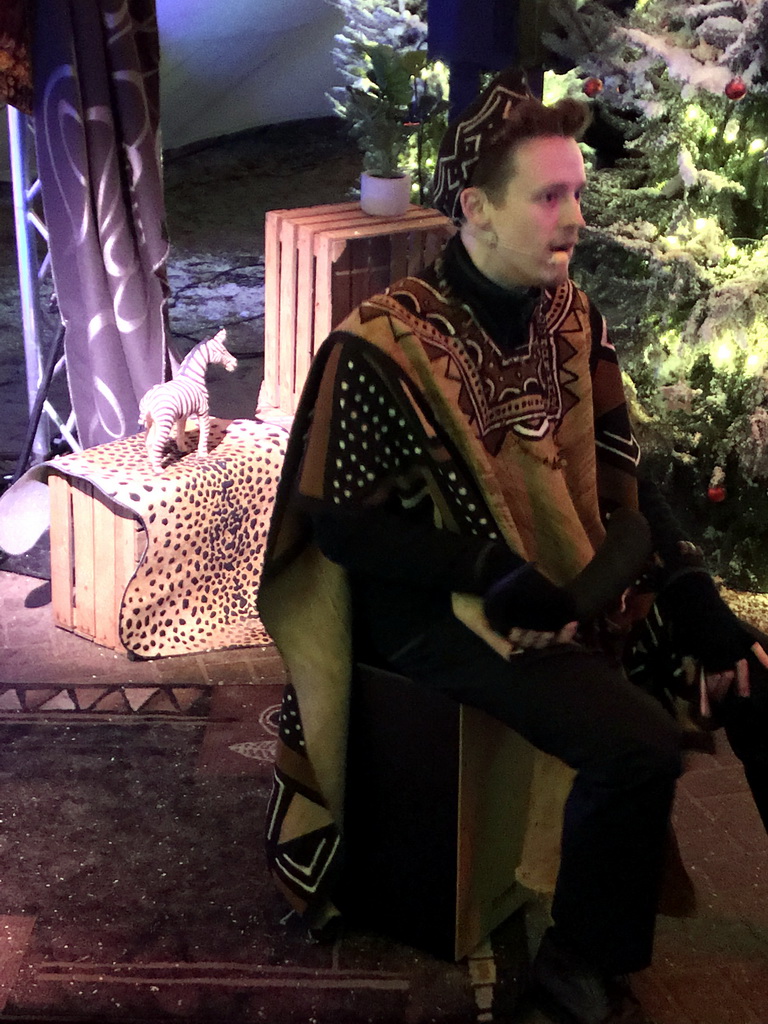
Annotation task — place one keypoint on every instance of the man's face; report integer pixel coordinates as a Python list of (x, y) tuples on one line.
[(537, 222)]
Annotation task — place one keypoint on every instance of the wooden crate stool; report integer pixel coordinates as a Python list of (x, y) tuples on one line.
[(321, 262), (436, 809), (96, 545)]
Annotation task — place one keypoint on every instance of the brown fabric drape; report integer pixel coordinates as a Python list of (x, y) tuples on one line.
[(96, 111), (16, 54)]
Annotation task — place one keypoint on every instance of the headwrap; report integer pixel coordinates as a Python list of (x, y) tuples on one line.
[(476, 130)]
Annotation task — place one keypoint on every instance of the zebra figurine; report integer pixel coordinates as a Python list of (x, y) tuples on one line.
[(167, 405)]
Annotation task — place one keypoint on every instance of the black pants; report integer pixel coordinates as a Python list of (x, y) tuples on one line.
[(625, 749)]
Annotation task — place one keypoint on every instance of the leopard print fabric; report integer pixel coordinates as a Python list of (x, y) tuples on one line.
[(206, 521)]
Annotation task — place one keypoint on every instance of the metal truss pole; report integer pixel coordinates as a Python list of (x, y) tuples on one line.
[(42, 360)]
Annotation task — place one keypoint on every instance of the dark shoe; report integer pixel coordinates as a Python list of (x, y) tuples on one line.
[(571, 992)]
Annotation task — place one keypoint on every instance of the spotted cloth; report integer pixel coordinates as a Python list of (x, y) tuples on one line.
[(410, 395)]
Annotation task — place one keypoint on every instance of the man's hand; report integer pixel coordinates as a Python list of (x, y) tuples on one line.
[(529, 639), (526, 603), (715, 685)]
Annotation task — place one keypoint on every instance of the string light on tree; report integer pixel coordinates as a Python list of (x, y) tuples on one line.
[(723, 355), (753, 361)]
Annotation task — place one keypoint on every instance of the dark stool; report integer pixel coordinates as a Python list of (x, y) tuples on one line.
[(436, 809)]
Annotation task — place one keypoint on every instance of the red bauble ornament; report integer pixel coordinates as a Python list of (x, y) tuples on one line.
[(736, 89), (717, 494), (593, 87)]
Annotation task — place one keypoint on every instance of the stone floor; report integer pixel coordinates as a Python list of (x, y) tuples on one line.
[(133, 792)]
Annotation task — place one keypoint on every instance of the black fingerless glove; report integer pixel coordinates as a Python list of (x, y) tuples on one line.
[(702, 624), (669, 539), (526, 599)]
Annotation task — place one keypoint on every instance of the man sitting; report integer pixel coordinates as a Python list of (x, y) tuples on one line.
[(461, 443)]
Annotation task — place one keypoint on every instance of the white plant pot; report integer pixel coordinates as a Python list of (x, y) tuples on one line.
[(385, 197)]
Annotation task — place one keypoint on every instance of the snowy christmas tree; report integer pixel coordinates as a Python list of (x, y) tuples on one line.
[(677, 251)]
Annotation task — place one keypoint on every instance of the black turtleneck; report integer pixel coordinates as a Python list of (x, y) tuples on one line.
[(503, 313)]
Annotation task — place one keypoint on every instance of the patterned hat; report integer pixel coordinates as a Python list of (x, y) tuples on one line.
[(466, 138)]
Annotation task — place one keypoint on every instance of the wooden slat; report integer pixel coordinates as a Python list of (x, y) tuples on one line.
[(399, 247), (130, 543), (381, 273), (287, 346), (84, 611), (105, 579), (324, 260), (305, 307), (341, 268), (269, 389), (62, 565)]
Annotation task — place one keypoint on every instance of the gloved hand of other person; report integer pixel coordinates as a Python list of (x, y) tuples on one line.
[(702, 624), (704, 627)]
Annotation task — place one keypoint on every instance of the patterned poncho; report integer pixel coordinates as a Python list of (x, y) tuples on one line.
[(411, 399)]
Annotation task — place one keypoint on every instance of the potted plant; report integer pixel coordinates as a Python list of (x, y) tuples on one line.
[(392, 98), (379, 110)]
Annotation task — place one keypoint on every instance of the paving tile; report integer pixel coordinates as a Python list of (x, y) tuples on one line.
[(725, 779), (269, 667), (15, 932), (25, 664), (707, 996), (658, 1001), (187, 668), (750, 979), (233, 670)]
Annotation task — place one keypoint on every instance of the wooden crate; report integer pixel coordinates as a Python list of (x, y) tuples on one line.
[(432, 842), (95, 548), (321, 262)]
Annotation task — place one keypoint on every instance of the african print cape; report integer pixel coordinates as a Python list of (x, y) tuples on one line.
[(526, 445)]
